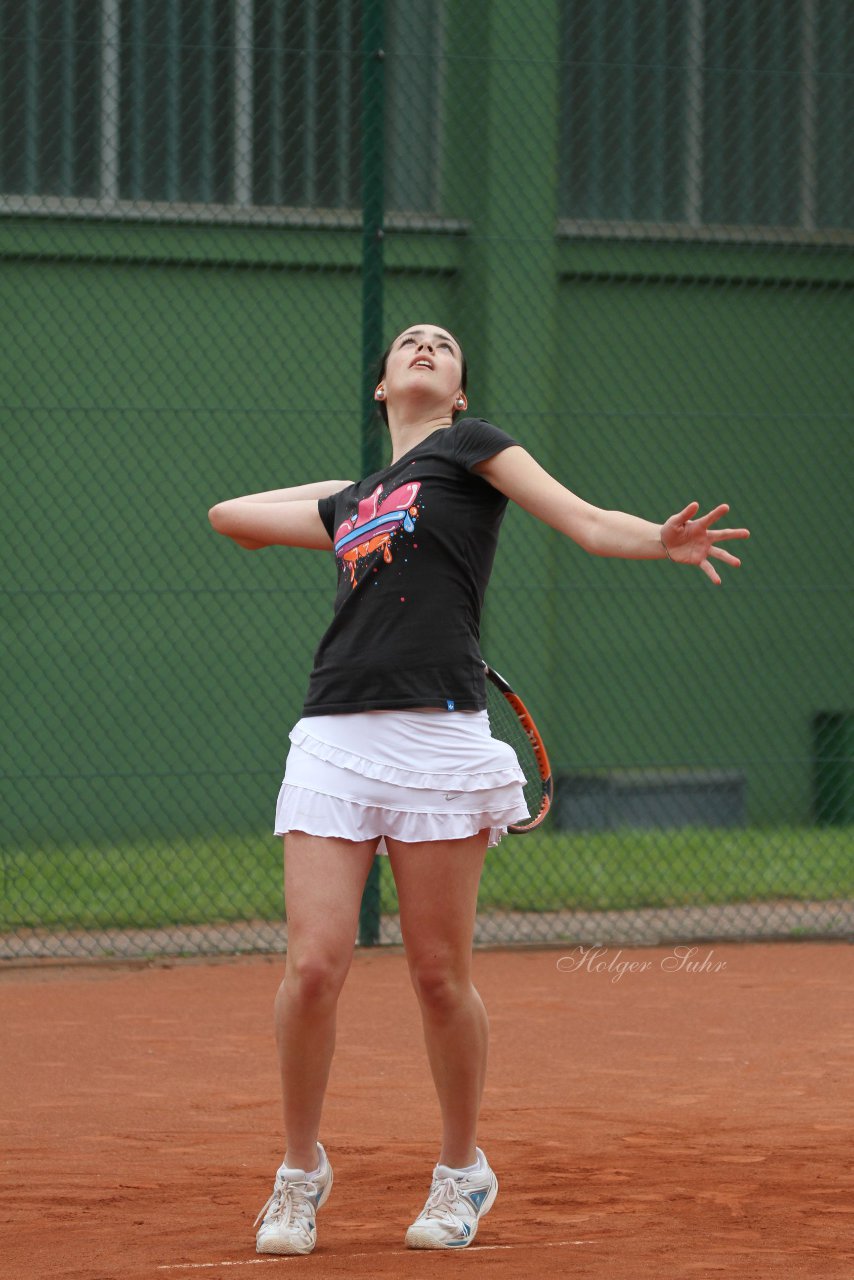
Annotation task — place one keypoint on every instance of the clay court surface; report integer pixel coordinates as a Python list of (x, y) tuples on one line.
[(662, 1123)]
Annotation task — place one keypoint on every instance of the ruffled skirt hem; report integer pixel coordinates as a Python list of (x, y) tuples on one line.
[(318, 814)]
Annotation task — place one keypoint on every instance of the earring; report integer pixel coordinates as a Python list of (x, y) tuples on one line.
[(461, 402), (379, 394)]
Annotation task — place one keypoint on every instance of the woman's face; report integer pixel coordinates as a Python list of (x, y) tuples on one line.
[(425, 366)]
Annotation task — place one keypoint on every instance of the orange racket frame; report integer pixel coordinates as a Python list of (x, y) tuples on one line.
[(541, 756)]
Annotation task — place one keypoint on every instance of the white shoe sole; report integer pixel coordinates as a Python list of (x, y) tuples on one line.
[(284, 1248)]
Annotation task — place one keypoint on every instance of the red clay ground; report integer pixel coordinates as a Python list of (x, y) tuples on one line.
[(661, 1123)]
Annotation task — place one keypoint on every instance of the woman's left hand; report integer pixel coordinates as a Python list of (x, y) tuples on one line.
[(689, 541)]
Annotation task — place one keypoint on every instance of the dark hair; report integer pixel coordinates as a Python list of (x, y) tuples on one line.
[(382, 407)]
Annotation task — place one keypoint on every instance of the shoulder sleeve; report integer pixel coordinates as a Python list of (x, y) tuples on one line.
[(476, 440), (326, 511)]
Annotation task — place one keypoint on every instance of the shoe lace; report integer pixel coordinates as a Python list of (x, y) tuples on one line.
[(292, 1199), (443, 1200)]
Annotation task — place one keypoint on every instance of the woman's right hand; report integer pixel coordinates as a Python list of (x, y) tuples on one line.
[(689, 541)]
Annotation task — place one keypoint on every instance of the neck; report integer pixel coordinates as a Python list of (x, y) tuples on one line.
[(407, 433)]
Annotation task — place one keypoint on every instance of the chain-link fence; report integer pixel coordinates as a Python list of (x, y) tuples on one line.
[(638, 217)]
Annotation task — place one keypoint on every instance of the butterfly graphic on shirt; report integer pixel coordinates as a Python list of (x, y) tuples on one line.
[(376, 521)]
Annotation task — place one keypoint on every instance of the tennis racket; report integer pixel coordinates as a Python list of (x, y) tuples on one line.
[(511, 721)]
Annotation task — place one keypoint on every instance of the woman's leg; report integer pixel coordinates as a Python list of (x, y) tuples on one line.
[(324, 880), (437, 885)]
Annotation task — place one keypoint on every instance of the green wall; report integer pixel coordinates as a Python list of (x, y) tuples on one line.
[(152, 669), (696, 389)]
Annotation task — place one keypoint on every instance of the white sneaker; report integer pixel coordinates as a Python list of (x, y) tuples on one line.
[(455, 1204), (289, 1215)]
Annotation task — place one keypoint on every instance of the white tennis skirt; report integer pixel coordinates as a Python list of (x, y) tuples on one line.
[(411, 775)]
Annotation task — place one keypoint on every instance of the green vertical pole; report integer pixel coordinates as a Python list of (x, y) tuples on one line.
[(718, 78), (32, 101), (342, 105), (139, 72), (828, 106), (276, 66), (174, 90), (596, 203), (206, 122), (747, 82), (630, 43), (657, 206), (310, 108), (773, 189), (373, 122), (69, 80)]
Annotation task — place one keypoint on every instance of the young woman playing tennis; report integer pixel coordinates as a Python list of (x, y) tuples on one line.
[(394, 751)]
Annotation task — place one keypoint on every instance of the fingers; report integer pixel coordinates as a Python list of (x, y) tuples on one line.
[(687, 514), (720, 535), (709, 571), (700, 534), (720, 554), (714, 515)]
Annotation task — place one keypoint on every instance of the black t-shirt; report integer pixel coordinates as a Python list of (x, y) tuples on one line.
[(414, 545)]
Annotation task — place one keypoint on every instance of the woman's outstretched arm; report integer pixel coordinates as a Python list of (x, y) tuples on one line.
[(278, 517), (681, 538)]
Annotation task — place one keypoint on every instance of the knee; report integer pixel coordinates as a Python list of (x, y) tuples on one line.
[(440, 988), (313, 980)]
